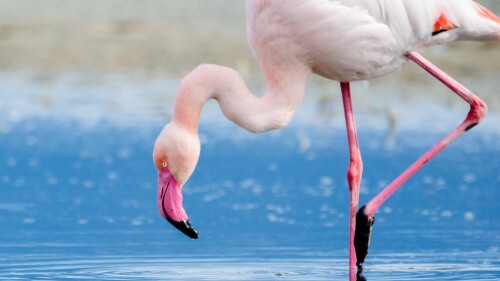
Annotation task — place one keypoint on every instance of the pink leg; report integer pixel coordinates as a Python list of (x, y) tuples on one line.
[(353, 174), (365, 217), (477, 112)]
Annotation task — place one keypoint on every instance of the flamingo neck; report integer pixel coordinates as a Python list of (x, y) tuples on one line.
[(255, 114)]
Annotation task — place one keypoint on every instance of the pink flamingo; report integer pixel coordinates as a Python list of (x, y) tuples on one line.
[(346, 40)]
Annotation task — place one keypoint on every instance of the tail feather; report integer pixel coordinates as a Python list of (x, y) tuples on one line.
[(479, 24), (485, 13), (487, 26)]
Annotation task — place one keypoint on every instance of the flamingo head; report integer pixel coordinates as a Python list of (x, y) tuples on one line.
[(175, 156)]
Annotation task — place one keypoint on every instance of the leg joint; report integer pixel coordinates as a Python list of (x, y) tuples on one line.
[(355, 170), (478, 109)]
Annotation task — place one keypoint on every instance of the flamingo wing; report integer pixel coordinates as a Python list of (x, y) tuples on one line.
[(421, 21), (351, 40)]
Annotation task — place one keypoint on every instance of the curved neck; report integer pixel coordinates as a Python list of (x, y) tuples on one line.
[(285, 91)]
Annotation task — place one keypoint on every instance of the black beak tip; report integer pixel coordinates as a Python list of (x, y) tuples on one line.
[(185, 227)]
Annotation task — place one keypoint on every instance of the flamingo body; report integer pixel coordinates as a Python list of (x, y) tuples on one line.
[(343, 40)]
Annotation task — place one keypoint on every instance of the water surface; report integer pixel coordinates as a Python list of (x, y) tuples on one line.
[(78, 199)]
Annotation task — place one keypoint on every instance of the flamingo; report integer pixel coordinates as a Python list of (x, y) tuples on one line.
[(343, 40)]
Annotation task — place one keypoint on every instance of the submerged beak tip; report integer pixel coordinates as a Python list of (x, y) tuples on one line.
[(189, 230), (194, 236), (184, 227)]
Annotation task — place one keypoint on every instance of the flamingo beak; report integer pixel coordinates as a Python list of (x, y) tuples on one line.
[(170, 203)]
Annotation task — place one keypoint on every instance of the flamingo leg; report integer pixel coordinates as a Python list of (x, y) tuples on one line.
[(478, 110), (354, 173)]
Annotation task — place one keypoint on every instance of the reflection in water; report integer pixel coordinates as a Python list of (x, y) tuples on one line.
[(393, 267), (391, 127)]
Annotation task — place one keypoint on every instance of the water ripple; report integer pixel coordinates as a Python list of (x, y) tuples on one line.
[(388, 267)]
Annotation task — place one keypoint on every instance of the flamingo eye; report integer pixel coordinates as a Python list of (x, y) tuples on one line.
[(164, 164)]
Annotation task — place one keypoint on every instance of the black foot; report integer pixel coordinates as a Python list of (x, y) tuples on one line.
[(360, 277), (359, 274), (362, 235)]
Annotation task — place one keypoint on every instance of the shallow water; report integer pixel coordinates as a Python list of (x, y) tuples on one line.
[(78, 199), (388, 267)]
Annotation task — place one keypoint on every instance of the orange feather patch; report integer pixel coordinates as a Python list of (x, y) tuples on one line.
[(443, 24)]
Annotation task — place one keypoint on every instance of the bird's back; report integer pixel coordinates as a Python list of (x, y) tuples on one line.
[(417, 20), (351, 40)]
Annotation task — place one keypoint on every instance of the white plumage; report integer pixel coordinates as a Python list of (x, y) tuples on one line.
[(411, 20), (352, 40)]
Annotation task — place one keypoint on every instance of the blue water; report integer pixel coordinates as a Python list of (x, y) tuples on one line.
[(78, 202)]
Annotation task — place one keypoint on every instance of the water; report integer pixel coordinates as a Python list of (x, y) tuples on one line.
[(78, 200)]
